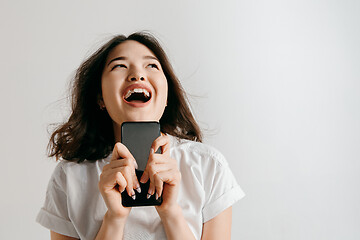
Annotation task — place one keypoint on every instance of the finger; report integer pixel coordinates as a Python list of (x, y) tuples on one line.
[(156, 168), (164, 142), (155, 185), (110, 172), (120, 163), (154, 159), (109, 180), (136, 183), (117, 164), (171, 177), (121, 181), (152, 171), (151, 190), (145, 176), (159, 184), (120, 151), (157, 158), (128, 174)]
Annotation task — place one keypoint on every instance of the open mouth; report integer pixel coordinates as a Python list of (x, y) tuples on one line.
[(137, 95)]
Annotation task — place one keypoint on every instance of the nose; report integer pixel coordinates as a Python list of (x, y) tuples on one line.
[(135, 76)]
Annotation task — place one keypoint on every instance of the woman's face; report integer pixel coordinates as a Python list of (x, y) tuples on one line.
[(134, 86)]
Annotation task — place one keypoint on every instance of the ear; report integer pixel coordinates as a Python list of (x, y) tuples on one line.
[(100, 102)]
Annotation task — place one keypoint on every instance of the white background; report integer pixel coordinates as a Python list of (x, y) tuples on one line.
[(274, 84)]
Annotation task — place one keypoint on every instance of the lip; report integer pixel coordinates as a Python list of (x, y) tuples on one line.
[(133, 86)]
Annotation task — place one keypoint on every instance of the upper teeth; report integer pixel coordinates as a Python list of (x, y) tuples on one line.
[(137, 90)]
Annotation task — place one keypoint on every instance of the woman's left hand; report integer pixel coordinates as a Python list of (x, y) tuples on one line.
[(164, 175)]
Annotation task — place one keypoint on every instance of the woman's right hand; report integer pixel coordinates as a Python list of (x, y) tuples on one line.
[(117, 176)]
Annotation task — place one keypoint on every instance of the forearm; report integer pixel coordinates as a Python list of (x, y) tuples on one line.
[(175, 225), (111, 228)]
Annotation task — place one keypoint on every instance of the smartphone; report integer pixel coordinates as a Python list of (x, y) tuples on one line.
[(138, 138)]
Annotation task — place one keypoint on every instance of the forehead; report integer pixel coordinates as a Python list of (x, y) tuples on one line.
[(130, 49)]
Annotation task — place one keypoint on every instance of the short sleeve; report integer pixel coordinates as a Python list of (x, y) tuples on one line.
[(221, 188), (54, 214)]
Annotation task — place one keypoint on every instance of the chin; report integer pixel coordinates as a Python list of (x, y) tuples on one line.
[(142, 118)]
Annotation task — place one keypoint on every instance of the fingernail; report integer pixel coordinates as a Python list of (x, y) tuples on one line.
[(138, 189), (142, 179), (156, 196), (152, 151), (148, 195), (132, 193), (133, 197)]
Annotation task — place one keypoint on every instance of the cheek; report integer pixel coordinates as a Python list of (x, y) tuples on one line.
[(163, 88), (109, 89)]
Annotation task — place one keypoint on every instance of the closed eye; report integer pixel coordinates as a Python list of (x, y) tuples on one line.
[(118, 65)]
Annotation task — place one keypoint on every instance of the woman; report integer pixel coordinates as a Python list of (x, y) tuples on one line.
[(83, 199)]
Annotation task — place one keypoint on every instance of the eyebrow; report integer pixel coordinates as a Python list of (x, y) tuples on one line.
[(125, 58)]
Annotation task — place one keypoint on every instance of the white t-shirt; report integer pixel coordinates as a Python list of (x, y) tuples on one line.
[(75, 207)]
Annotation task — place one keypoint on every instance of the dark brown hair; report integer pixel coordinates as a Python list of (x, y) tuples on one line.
[(88, 133)]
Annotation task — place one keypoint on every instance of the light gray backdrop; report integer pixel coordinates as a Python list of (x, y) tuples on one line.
[(275, 85)]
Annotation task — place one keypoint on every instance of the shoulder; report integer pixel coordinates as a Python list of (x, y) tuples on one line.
[(197, 152), (68, 166), (67, 172)]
